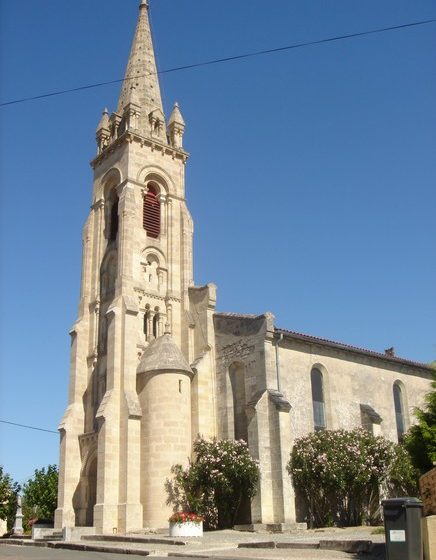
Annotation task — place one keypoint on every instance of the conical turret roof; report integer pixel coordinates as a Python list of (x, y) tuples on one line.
[(163, 354), (176, 116)]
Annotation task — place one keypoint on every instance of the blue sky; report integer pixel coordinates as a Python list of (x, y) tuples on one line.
[(311, 179)]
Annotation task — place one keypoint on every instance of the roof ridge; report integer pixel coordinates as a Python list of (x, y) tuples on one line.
[(351, 347)]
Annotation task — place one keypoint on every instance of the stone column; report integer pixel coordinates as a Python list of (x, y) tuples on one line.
[(170, 244), (127, 211)]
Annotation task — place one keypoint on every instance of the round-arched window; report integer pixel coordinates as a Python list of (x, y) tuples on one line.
[(318, 399)]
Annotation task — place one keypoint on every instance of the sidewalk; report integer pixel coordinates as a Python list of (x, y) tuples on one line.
[(335, 544)]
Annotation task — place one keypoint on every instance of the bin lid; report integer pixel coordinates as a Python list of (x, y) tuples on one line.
[(402, 502)]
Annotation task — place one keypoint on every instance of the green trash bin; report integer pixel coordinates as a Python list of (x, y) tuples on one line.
[(402, 520)]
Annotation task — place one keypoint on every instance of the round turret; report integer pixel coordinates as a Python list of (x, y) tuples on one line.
[(164, 390)]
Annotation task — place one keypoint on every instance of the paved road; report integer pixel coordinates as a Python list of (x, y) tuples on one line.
[(38, 553), (34, 553)]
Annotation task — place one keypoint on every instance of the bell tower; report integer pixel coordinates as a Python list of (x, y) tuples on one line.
[(141, 323)]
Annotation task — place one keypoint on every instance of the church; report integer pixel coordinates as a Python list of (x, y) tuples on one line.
[(154, 364)]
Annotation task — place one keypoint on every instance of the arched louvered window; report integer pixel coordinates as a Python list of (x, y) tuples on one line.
[(318, 399), (399, 410), (151, 215)]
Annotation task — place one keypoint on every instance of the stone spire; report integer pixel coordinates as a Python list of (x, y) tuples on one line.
[(141, 73)]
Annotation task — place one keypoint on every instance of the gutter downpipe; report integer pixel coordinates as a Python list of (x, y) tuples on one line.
[(278, 361)]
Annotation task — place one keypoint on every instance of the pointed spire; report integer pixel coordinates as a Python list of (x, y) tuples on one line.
[(104, 121), (102, 134), (141, 72), (176, 127), (176, 116)]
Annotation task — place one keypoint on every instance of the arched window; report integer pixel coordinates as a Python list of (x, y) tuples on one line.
[(399, 410), (146, 320), (156, 325), (318, 399), (151, 213)]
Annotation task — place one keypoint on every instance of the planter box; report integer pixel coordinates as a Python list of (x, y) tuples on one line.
[(187, 529)]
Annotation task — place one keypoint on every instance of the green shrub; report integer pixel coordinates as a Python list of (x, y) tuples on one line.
[(216, 482), (40, 494), (9, 491), (340, 473)]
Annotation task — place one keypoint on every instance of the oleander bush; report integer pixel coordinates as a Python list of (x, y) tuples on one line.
[(341, 475), (215, 483)]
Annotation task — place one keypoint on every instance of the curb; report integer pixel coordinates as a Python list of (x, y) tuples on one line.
[(352, 546)]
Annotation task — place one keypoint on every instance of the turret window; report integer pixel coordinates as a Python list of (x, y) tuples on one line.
[(151, 214)]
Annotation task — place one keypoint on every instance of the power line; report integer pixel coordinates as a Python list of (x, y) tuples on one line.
[(28, 427), (221, 60)]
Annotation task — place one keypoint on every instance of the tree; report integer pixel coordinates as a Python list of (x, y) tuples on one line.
[(40, 494), (215, 484), (403, 477), (420, 440), (9, 491), (339, 474)]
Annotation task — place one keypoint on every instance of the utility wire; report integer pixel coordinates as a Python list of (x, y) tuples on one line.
[(221, 60), (28, 427)]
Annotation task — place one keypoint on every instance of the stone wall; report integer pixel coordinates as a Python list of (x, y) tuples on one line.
[(427, 488)]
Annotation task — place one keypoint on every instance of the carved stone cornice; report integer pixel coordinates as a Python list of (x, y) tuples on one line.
[(130, 136)]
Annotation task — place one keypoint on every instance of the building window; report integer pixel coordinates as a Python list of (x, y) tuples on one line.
[(156, 325), (114, 220), (145, 325), (318, 399), (399, 410), (151, 214)]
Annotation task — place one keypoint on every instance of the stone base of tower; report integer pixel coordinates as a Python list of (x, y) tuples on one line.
[(105, 518), (129, 518), (64, 518)]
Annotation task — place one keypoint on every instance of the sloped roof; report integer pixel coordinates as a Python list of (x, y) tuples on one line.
[(350, 348)]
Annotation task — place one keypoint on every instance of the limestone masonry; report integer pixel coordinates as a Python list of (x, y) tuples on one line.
[(153, 364)]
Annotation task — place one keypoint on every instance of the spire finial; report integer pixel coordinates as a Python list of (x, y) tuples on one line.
[(143, 3)]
